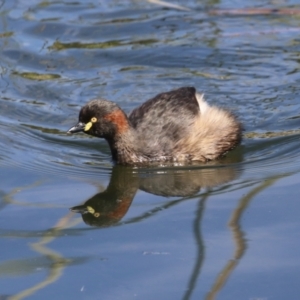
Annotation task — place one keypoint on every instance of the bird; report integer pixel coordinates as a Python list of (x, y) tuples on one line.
[(178, 126)]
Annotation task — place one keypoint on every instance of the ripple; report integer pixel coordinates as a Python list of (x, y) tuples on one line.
[(50, 151), (135, 54), (46, 153)]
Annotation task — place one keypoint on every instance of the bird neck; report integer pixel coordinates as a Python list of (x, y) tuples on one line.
[(124, 147)]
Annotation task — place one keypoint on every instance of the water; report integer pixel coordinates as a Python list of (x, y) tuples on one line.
[(222, 230)]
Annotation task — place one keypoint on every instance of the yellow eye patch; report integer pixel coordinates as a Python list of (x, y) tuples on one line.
[(89, 125), (90, 209)]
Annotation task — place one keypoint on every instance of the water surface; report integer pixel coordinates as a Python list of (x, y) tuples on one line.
[(222, 230)]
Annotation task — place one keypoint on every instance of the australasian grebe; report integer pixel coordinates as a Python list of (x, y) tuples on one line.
[(175, 126)]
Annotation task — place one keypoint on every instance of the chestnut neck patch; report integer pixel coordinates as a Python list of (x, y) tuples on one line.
[(119, 119)]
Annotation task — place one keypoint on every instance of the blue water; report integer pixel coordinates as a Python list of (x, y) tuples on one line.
[(222, 230)]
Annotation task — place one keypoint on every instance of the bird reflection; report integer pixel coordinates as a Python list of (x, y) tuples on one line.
[(110, 206)]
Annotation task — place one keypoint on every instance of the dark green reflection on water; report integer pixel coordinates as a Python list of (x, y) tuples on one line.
[(6, 34), (36, 76), (100, 45)]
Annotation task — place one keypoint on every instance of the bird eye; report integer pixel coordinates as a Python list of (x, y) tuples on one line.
[(96, 215), (93, 120)]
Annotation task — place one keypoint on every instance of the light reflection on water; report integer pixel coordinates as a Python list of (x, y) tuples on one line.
[(186, 230)]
